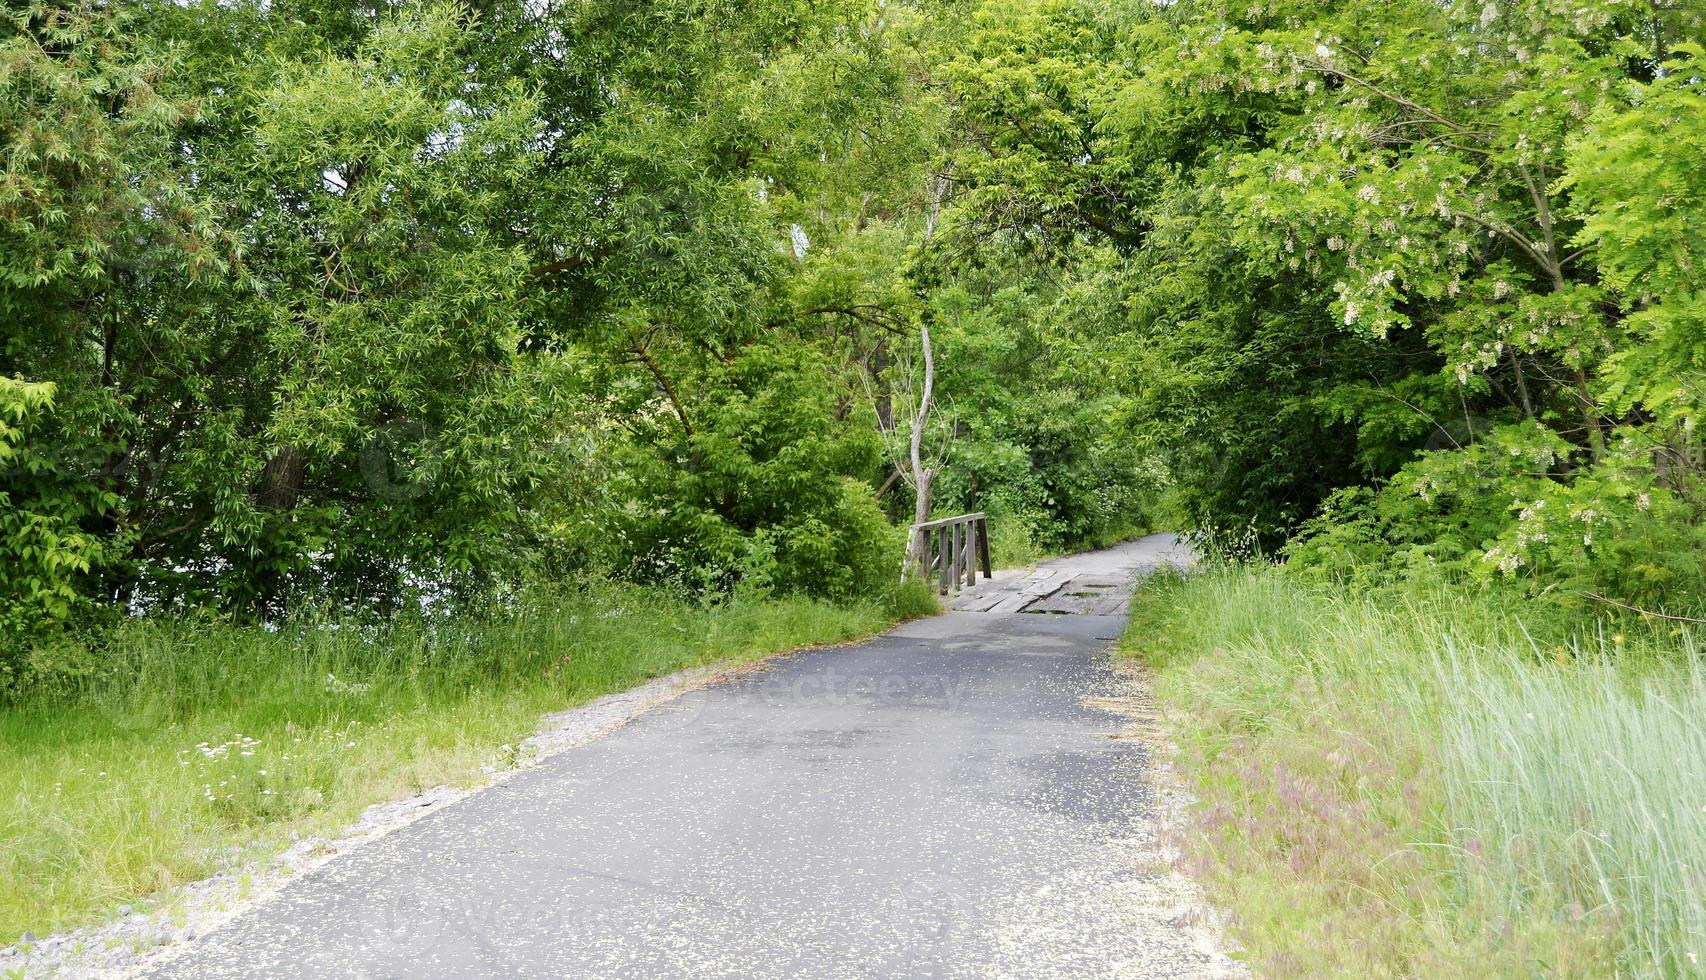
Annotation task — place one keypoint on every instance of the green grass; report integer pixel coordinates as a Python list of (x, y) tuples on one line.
[(196, 746), (1414, 785)]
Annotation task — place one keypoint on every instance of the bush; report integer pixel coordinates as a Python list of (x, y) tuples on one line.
[(1524, 508), (46, 554), (763, 495)]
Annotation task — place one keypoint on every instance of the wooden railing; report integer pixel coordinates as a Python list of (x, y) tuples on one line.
[(953, 558)]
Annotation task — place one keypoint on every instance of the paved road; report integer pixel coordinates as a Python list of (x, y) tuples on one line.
[(941, 801)]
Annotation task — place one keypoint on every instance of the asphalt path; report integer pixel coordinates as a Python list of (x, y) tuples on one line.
[(951, 799)]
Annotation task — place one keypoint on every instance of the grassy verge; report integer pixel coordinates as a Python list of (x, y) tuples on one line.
[(1416, 786), (195, 747)]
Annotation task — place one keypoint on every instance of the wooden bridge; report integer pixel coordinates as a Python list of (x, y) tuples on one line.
[(1099, 584), (1059, 590)]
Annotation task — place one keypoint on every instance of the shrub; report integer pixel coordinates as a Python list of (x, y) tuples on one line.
[(1521, 507)]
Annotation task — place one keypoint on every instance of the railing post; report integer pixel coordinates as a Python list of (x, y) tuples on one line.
[(944, 545), (968, 535), (959, 554), (983, 545)]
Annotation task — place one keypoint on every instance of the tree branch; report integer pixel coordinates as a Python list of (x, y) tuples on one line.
[(644, 356)]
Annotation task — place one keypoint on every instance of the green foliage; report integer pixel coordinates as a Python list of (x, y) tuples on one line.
[(1353, 245), (393, 305), (46, 554), (1640, 201), (406, 304), (1036, 440), (751, 485), (80, 116), (1509, 508)]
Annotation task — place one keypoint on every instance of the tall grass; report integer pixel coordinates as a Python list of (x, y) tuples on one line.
[(1413, 784), (1584, 791), (194, 746)]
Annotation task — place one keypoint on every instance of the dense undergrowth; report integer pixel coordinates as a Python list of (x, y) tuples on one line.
[(195, 747), (1434, 782)]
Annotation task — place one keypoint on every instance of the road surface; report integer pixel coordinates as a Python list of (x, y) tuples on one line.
[(942, 801)]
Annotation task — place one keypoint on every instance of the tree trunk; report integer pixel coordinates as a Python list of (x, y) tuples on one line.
[(879, 383), (922, 477), (281, 480)]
